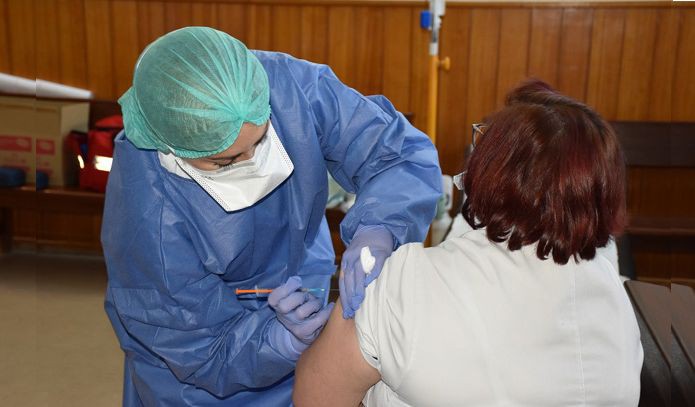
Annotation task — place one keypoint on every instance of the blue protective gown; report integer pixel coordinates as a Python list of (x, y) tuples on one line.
[(174, 256)]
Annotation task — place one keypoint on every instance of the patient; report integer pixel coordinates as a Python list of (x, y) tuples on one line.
[(520, 310)]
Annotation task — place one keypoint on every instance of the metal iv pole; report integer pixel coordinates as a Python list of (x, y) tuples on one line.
[(432, 20)]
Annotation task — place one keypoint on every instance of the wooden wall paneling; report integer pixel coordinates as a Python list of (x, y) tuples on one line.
[(96, 230), (575, 43), (396, 67), (653, 258), (682, 180), (636, 65), (664, 64), (231, 18), (126, 46), (20, 16), (419, 70), (453, 133), (24, 223), (177, 15), (5, 63), (47, 31), (151, 22), (368, 50), (482, 64), (340, 42), (650, 188), (515, 32), (645, 194), (604, 65), (664, 259), (72, 230), (314, 34), (287, 31), (259, 29), (99, 53), (204, 14), (72, 38), (684, 82), (544, 49), (683, 260), (662, 192)]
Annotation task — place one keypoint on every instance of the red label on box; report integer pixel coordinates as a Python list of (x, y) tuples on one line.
[(15, 143), (47, 147)]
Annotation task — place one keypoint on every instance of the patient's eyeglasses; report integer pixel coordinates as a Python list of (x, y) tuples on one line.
[(478, 130), (458, 180)]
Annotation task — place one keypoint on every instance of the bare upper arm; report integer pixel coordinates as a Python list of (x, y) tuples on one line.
[(333, 371)]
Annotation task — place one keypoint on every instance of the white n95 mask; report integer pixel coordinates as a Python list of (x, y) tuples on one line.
[(241, 185)]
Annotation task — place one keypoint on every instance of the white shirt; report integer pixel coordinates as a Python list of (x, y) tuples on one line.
[(460, 226), (470, 323)]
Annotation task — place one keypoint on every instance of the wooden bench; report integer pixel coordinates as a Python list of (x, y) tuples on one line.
[(64, 218), (657, 145), (667, 332), (660, 235)]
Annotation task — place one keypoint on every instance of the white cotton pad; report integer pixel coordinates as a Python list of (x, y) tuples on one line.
[(367, 260)]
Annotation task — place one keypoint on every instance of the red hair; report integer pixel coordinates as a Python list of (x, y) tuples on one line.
[(549, 170)]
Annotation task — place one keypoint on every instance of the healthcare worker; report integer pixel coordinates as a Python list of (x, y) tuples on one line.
[(219, 182)]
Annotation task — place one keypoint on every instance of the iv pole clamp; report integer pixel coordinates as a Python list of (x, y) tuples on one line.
[(432, 20)]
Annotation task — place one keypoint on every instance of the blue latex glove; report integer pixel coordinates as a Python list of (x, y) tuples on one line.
[(353, 279), (301, 313), (284, 342)]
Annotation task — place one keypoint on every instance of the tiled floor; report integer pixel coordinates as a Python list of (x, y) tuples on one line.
[(56, 343)]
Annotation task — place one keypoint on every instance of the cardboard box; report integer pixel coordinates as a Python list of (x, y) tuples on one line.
[(32, 137), (17, 116)]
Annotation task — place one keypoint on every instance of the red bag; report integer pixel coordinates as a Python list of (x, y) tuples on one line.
[(95, 152)]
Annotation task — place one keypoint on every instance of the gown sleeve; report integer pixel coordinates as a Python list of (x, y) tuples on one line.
[(371, 150)]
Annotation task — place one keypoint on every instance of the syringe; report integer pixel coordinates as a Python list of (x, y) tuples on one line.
[(240, 291)]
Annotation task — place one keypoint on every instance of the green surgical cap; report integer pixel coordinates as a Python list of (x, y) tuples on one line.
[(192, 90)]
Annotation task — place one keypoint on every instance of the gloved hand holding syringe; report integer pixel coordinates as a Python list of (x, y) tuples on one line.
[(366, 259), (300, 312)]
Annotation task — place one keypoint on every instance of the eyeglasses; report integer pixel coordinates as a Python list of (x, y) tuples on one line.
[(478, 130), (458, 180)]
